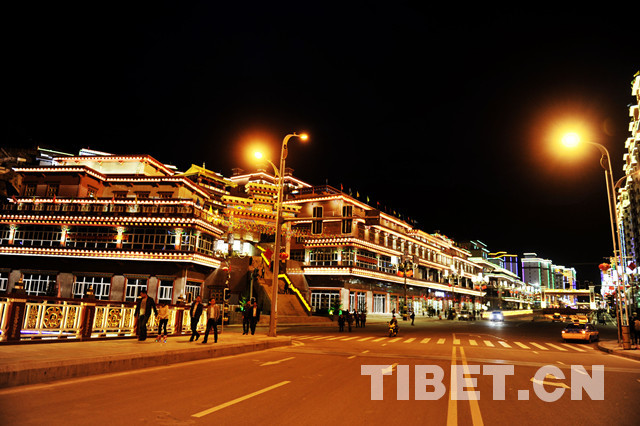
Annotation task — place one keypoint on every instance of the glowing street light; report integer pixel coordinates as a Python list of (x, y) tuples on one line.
[(572, 140), (279, 173)]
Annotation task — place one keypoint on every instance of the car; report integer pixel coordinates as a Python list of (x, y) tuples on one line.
[(587, 332), (557, 317), (580, 319), (464, 315), (496, 316)]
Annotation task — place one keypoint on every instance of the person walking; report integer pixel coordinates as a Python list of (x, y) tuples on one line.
[(635, 327), (341, 322), (413, 317), (349, 320), (163, 320), (195, 312), (213, 315), (144, 306)]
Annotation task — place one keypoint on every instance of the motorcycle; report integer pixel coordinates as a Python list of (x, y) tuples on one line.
[(393, 330)]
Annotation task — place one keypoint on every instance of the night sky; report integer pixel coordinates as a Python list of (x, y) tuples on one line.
[(444, 118)]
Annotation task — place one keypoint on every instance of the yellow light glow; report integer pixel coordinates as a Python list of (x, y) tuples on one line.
[(304, 136), (258, 155), (571, 140)]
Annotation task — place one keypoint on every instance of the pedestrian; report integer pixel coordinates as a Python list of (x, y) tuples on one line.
[(636, 329), (255, 315), (163, 320), (341, 322), (213, 315), (195, 312), (246, 317), (349, 320), (363, 318), (413, 317), (144, 306), (356, 317)]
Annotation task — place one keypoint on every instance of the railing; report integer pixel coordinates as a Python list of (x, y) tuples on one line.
[(24, 318)]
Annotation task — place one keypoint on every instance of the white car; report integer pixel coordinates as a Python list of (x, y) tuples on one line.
[(496, 316)]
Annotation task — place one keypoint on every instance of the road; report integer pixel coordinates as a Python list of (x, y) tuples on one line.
[(320, 380)]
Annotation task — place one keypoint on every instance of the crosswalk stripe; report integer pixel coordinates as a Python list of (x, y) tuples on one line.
[(456, 341), (335, 338), (425, 340), (573, 347), (539, 346), (522, 345), (379, 339), (473, 342), (409, 340), (321, 337), (557, 347), (395, 339), (441, 341), (349, 338), (488, 343), (365, 338), (505, 344)]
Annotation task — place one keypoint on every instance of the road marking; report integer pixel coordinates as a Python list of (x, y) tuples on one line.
[(276, 362), (321, 337), (557, 347), (441, 341), (476, 416), (522, 345), (335, 338), (389, 369), (395, 339), (409, 340), (242, 398), (573, 347), (505, 344), (364, 352), (349, 338), (456, 341), (425, 340), (379, 339), (365, 338), (351, 357), (539, 346), (545, 382), (473, 342), (452, 409), (488, 343), (303, 337)]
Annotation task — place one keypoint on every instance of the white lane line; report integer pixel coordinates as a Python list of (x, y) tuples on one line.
[(488, 343), (365, 338), (237, 400), (473, 342), (557, 347), (522, 345), (539, 346), (441, 341), (505, 344), (276, 362), (409, 340), (572, 347), (425, 340), (351, 357)]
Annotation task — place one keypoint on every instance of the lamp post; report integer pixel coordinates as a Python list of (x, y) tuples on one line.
[(279, 172), (572, 140)]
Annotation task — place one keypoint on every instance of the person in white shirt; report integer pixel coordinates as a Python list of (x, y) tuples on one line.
[(213, 314)]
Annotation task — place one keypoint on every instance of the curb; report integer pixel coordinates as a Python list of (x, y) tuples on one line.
[(27, 373), (633, 354)]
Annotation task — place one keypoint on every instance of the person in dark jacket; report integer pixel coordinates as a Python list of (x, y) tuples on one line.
[(144, 306), (195, 312), (246, 317)]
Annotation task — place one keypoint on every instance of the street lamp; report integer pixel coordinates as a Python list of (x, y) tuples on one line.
[(279, 173), (572, 140)]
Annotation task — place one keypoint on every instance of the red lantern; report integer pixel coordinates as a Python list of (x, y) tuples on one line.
[(632, 266), (604, 267)]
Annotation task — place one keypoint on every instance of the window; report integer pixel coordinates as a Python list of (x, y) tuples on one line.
[(30, 190), (36, 284), (347, 222), (193, 288), (142, 194), (101, 287), (316, 228), (165, 291), (323, 257), (324, 301), (120, 194), (165, 194), (379, 303), (52, 189), (38, 236), (4, 281), (91, 192), (134, 286)]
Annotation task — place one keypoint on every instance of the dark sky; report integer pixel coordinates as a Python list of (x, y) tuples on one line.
[(444, 118)]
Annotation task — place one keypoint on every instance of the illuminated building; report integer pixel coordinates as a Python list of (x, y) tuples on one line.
[(629, 199), (117, 224)]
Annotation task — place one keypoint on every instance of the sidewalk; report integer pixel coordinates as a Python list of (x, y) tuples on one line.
[(613, 347), (31, 363)]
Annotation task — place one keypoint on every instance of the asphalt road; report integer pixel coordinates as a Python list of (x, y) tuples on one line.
[(514, 366)]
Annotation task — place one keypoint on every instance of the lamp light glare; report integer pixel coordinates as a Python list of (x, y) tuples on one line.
[(571, 140), (258, 155)]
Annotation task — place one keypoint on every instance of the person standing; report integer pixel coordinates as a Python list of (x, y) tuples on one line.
[(163, 320), (143, 311), (255, 315), (246, 317), (195, 312), (635, 328), (363, 318), (341, 322), (356, 317), (213, 315), (413, 317)]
